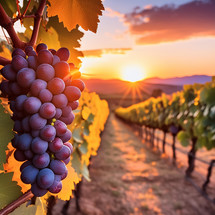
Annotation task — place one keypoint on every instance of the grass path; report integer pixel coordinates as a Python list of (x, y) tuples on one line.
[(127, 178)]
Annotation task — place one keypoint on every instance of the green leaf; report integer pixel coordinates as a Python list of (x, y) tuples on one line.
[(9, 6), (6, 126), (26, 209), (9, 190), (83, 147), (90, 118), (77, 135), (76, 162), (86, 131), (85, 172), (184, 138)]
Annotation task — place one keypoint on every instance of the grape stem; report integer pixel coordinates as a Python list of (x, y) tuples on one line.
[(15, 204), (4, 61)]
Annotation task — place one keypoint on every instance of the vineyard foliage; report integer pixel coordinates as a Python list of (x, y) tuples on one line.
[(57, 24), (189, 114)]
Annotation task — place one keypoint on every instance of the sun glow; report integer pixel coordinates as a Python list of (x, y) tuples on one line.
[(132, 73)]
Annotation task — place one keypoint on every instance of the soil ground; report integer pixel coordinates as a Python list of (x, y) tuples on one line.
[(128, 178)]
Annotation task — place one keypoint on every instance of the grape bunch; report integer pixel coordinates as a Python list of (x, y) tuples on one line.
[(42, 95)]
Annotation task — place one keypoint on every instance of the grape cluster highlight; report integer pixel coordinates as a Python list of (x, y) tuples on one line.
[(42, 94)]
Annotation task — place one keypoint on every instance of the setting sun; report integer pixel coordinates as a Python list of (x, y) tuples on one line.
[(132, 73)]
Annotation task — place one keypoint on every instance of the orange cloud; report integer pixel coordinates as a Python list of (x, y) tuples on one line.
[(169, 23)]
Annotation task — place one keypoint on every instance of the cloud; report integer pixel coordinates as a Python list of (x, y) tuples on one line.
[(170, 23), (100, 52)]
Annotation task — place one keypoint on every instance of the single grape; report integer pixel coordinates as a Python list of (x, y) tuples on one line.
[(25, 164), (58, 167), (25, 124), (68, 119), (5, 88), (8, 72), (64, 175), (37, 122), (18, 51), (45, 56), (66, 161), (66, 111), (32, 53), (72, 93), (32, 105), (29, 174), (45, 178), (45, 72), (56, 86), (67, 136), (19, 155), (45, 96), (69, 145), (18, 62), (39, 146), (56, 187), (56, 145), (37, 86), (74, 105), (48, 133), (37, 191), (28, 154), (78, 83), (47, 110), (24, 142), (19, 102), (32, 62), (25, 77), (15, 88), (60, 127), (62, 69), (60, 100), (64, 153), (63, 53), (58, 113), (28, 49), (41, 161), (41, 46), (56, 59)]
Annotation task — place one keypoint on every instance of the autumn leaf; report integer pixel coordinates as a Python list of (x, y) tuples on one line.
[(77, 12)]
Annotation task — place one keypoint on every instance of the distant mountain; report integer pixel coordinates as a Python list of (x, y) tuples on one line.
[(201, 79), (116, 86)]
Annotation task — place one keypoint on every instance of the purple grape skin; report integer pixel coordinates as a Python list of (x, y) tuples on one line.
[(8, 73), (56, 59), (24, 142), (18, 62), (58, 167), (74, 105), (45, 178), (67, 136), (25, 164), (66, 161), (25, 124), (17, 126), (58, 113), (32, 62), (60, 127), (53, 51), (12, 105), (19, 102), (41, 46), (45, 56), (66, 111), (5, 88), (32, 105), (45, 72), (39, 146), (18, 51), (56, 86), (19, 155), (28, 49), (36, 86), (60, 100), (72, 93), (29, 174), (56, 187), (47, 110), (35, 133), (63, 53), (37, 191), (25, 77), (64, 153), (37, 122), (56, 145), (45, 96), (64, 175), (32, 53), (62, 69), (15, 88), (79, 84), (48, 133), (41, 161), (69, 119), (14, 141), (69, 145), (28, 154)]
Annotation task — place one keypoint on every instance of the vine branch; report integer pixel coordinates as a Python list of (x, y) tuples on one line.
[(4, 61), (12, 206), (26, 8)]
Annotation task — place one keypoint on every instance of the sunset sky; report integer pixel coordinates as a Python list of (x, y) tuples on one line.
[(157, 38)]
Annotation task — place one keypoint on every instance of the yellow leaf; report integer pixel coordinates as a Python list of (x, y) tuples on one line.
[(77, 12)]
